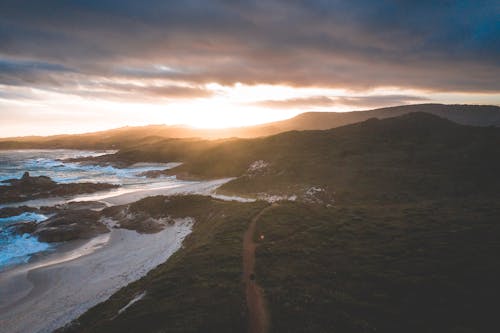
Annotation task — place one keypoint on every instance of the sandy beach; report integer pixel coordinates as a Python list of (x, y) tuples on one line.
[(128, 195), (59, 286), (53, 290)]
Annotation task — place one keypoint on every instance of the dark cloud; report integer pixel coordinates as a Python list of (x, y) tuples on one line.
[(352, 101), (435, 45), (19, 73)]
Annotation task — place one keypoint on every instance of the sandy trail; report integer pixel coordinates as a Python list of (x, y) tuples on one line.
[(258, 317)]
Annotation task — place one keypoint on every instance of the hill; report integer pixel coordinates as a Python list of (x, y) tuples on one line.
[(476, 115), (409, 243), (427, 155)]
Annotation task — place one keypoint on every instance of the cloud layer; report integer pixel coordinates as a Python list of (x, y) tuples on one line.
[(107, 63), (436, 45)]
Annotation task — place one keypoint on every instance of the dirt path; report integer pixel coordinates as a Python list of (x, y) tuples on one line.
[(258, 318)]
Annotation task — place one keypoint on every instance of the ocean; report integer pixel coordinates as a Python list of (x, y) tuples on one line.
[(18, 249)]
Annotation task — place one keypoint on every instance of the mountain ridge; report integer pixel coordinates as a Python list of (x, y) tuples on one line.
[(474, 115)]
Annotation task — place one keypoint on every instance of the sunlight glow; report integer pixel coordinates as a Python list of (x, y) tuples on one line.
[(95, 107)]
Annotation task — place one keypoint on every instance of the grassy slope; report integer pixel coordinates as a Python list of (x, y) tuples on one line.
[(410, 246), (420, 267), (475, 115), (199, 288), (413, 156)]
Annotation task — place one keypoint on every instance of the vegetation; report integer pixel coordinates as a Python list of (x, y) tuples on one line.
[(416, 156), (420, 267), (410, 244)]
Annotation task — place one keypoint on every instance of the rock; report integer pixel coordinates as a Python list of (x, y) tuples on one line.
[(27, 181), (28, 188), (257, 167), (22, 228), (318, 195), (141, 222), (153, 173), (92, 205), (71, 225), (13, 211), (144, 225)]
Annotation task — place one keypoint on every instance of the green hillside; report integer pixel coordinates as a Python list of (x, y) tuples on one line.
[(413, 156), (409, 244)]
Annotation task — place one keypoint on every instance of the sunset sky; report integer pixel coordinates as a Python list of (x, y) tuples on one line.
[(76, 66)]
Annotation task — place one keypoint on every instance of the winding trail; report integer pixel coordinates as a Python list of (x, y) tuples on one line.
[(258, 317)]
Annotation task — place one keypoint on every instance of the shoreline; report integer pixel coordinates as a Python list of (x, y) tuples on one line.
[(126, 195), (56, 289)]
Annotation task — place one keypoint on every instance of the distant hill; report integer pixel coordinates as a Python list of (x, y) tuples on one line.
[(475, 115), (417, 154), (413, 155)]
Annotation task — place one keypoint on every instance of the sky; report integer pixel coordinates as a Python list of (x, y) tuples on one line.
[(77, 66)]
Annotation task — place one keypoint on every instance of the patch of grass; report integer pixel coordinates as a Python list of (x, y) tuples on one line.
[(427, 267)]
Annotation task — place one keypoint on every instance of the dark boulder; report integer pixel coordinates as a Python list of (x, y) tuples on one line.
[(13, 211), (28, 181), (22, 228)]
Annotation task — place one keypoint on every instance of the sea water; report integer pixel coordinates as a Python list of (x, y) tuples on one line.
[(18, 249)]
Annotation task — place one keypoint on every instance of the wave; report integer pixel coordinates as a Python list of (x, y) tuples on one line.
[(27, 216), (18, 249)]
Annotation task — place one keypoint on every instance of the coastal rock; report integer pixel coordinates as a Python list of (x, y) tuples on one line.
[(29, 188), (103, 160), (71, 225), (28, 182), (92, 205), (145, 225), (13, 211), (141, 222), (22, 228), (153, 173)]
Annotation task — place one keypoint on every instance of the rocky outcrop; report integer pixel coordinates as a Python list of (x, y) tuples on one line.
[(154, 173), (13, 211), (71, 225), (22, 228), (75, 205), (141, 222), (29, 188), (27, 181)]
